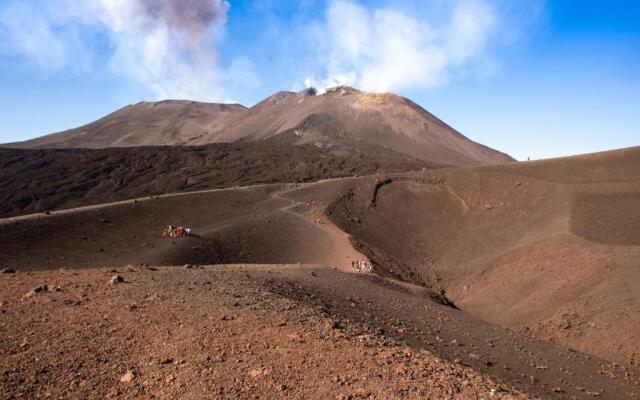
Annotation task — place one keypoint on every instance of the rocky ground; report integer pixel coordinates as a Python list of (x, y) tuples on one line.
[(172, 333), (253, 332)]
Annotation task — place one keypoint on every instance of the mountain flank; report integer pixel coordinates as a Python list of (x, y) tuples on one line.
[(340, 118)]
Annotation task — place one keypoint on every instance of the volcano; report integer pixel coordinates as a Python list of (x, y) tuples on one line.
[(342, 117)]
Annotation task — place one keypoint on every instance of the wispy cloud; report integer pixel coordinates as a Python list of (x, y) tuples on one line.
[(35, 32), (167, 46), (391, 48), (171, 47)]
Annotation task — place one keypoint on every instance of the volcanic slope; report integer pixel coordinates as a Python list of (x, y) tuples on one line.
[(549, 248), (160, 123), (46, 179), (343, 117), (546, 248)]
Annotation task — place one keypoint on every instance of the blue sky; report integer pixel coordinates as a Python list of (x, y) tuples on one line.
[(532, 78)]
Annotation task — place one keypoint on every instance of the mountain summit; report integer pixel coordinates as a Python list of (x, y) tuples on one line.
[(340, 117)]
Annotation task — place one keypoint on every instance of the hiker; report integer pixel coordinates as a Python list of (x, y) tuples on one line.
[(176, 231), (361, 266), (168, 231)]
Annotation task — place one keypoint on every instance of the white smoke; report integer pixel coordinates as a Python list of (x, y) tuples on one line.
[(387, 49), (166, 46)]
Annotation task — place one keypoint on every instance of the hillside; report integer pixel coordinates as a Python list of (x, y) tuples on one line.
[(342, 118), (523, 272), (163, 123), (548, 248), (46, 179)]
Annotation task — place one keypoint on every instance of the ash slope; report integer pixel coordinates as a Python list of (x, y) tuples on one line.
[(161, 123), (550, 248), (47, 179), (343, 117), (546, 248)]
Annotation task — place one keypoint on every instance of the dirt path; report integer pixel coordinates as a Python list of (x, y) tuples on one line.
[(68, 211), (343, 251)]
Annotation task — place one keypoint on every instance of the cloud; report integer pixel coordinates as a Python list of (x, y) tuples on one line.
[(32, 31), (389, 49), (169, 47)]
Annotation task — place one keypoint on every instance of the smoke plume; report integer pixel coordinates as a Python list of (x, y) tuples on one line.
[(166, 46), (387, 49)]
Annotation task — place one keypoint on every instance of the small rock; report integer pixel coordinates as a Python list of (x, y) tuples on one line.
[(116, 279), (313, 274), (7, 271), (363, 393), (36, 290), (169, 379), (188, 266), (401, 370), (128, 377), (254, 373)]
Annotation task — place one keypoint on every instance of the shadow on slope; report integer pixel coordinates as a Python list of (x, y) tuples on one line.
[(41, 180), (545, 247)]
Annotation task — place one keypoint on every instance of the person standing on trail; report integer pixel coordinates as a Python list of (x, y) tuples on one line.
[(179, 231), (167, 231)]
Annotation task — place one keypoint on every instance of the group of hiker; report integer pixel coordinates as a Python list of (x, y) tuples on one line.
[(176, 231), (361, 266)]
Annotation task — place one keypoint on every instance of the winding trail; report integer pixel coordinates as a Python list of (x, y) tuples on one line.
[(341, 255), (343, 251)]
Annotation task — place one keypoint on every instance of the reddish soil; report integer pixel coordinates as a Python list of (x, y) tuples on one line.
[(530, 254), (268, 332), (548, 248)]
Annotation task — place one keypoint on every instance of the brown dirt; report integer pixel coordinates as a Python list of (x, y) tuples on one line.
[(531, 247), (548, 247), (344, 119), (268, 332)]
